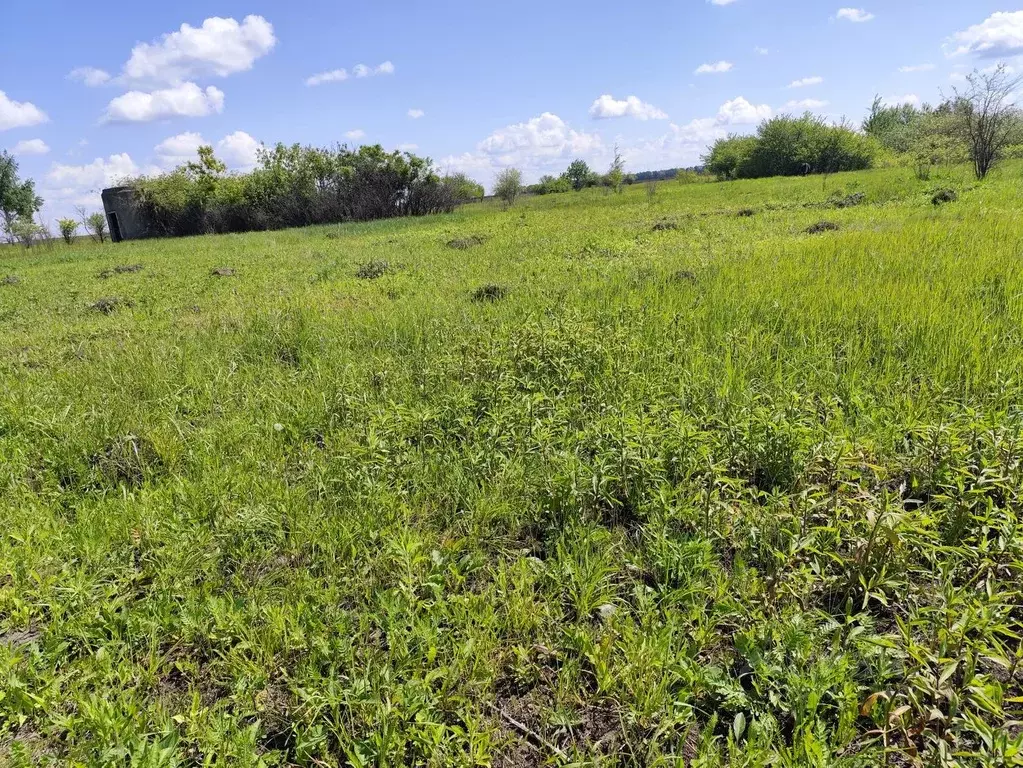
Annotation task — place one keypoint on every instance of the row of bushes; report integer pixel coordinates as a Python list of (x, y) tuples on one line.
[(791, 146), (296, 186)]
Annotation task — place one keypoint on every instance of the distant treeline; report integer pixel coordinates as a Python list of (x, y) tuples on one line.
[(295, 186)]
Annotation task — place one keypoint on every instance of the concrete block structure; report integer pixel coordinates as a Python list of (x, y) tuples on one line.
[(124, 220)]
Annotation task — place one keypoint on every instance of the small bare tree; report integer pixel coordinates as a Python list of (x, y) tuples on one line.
[(95, 224), (987, 117)]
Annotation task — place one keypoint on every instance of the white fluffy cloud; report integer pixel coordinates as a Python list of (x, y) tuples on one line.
[(220, 47), (356, 134), (803, 82), (999, 35), (175, 150), (31, 147), (96, 175), (19, 114), (359, 70), (855, 15), (238, 150), (91, 76), (540, 145), (804, 104), (741, 112), (715, 68), (608, 106), (184, 100), (415, 114)]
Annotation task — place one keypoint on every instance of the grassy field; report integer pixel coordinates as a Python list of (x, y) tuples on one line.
[(598, 480)]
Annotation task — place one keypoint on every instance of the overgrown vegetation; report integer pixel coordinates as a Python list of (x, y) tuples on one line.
[(296, 186), (723, 494)]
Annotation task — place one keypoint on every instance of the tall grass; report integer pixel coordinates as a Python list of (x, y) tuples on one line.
[(723, 493)]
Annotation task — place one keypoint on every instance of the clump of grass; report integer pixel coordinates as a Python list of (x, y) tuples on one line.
[(10, 280), (943, 196), (372, 269), (465, 243), (848, 201), (665, 225), (489, 292), (222, 272), (745, 213), (107, 305), (128, 460), (822, 226)]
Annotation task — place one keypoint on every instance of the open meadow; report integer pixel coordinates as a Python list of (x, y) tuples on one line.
[(650, 479)]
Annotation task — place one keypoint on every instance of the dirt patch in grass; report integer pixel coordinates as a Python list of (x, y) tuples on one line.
[(128, 460), (222, 272), (848, 201), (120, 269), (10, 280), (665, 225), (821, 227), (110, 304), (465, 243), (371, 270), (489, 292), (745, 213), (20, 637)]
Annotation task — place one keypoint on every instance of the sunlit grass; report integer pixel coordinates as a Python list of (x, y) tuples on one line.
[(574, 490)]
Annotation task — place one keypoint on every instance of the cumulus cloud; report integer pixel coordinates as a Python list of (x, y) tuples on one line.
[(175, 150), (184, 100), (607, 107), (95, 175), (539, 145), (917, 68), (359, 70), (415, 114), (806, 104), (356, 134), (741, 112), (855, 15), (999, 35), (803, 82), (220, 47), (31, 147), (91, 76), (19, 114), (716, 68), (238, 150)]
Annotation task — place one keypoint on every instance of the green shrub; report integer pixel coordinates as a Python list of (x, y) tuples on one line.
[(68, 227), (508, 185)]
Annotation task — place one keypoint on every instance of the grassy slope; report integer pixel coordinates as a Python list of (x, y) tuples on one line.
[(680, 497)]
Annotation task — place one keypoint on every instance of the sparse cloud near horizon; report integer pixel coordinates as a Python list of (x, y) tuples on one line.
[(805, 104), (715, 68), (916, 68), (31, 147), (606, 106)]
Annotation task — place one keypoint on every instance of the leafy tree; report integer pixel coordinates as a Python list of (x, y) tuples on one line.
[(26, 230), (508, 185), (616, 173), (725, 156), (579, 174), (551, 185), (18, 199), (96, 225), (894, 126), (462, 188), (987, 119), (68, 227)]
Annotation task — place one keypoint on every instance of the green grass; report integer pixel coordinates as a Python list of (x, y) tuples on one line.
[(579, 492)]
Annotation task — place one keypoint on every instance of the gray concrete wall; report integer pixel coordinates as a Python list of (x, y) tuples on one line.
[(124, 221)]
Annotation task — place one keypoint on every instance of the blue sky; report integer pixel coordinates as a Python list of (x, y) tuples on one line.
[(90, 93)]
